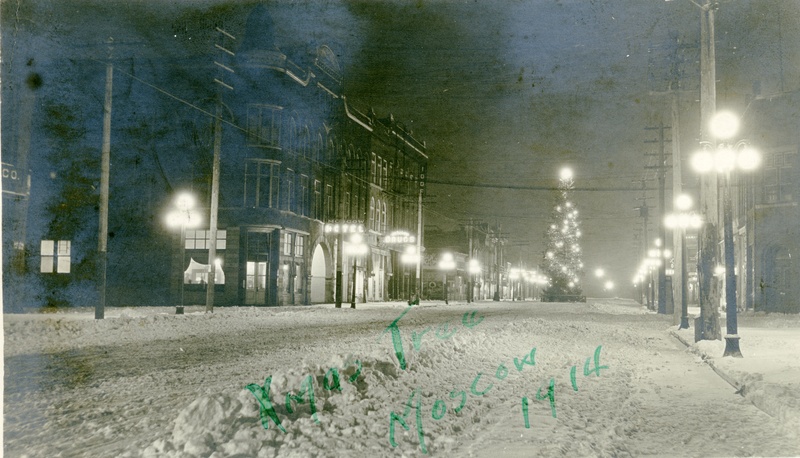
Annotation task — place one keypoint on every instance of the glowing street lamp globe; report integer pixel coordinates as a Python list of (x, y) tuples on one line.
[(724, 125)]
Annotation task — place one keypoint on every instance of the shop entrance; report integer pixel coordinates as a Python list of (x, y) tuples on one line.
[(256, 282)]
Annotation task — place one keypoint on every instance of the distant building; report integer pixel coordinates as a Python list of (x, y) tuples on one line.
[(476, 244)]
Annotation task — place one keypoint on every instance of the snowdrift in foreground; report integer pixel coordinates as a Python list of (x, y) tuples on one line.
[(604, 378)]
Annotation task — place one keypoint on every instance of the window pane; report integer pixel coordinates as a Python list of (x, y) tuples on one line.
[(47, 264), (47, 247), (63, 247), (63, 264), (250, 184), (287, 243)]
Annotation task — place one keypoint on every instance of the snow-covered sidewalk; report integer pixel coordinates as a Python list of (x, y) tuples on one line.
[(768, 374)]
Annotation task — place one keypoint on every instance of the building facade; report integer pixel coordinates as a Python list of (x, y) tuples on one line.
[(301, 165), (767, 225)]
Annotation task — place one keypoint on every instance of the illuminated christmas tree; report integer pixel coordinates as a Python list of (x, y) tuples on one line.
[(562, 255)]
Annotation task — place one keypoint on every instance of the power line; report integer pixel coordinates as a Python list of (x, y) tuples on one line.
[(535, 188)]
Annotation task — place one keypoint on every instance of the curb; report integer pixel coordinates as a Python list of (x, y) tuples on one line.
[(765, 397), (736, 384)]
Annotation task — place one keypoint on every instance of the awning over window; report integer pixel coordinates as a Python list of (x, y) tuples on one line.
[(197, 274)]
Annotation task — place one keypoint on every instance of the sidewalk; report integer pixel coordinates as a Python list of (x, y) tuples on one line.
[(768, 374)]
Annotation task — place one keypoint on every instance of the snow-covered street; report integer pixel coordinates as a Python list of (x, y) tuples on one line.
[(604, 378)]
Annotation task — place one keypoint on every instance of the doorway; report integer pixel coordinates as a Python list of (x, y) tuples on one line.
[(257, 269)]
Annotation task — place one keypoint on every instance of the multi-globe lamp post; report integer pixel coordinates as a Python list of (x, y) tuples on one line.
[(355, 249), (446, 264), (654, 260), (725, 157), (184, 216), (682, 220)]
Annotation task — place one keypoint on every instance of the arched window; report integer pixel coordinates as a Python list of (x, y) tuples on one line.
[(329, 150), (306, 142), (292, 134), (378, 215), (318, 149)]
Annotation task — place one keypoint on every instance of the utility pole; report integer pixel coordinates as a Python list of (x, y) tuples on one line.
[(470, 286), (678, 237), (105, 169), (418, 278), (644, 213), (709, 202), (223, 71), (661, 171)]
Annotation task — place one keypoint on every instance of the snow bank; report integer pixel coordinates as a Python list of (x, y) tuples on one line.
[(768, 374)]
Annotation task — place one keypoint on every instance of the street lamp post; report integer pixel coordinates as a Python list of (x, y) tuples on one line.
[(355, 248), (339, 228), (184, 216), (652, 262), (683, 220), (445, 264), (474, 269), (724, 158), (513, 276), (409, 256)]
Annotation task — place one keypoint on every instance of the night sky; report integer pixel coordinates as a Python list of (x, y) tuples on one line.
[(504, 93)]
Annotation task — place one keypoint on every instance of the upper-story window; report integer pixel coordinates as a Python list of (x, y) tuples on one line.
[(201, 239), (290, 199), (305, 195), (264, 125), (379, 172), (779, 178), (347, 211), (261, 184), (318, 202), (373, 176), (318, 148), (305, 142), (372, 212), (384, 222)]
